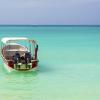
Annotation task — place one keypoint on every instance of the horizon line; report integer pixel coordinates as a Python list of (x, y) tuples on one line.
[(42, 25)]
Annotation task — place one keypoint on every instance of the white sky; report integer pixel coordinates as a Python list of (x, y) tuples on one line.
[(57, 12)]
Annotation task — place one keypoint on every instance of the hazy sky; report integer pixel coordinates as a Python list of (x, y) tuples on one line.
[(50, 12)]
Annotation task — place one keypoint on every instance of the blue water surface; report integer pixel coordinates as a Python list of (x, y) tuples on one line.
[(69, 64)]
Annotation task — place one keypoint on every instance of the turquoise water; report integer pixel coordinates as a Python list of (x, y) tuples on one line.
[(69, 64)]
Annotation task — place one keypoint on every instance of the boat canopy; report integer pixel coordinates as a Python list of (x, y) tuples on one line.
[(12, 39)]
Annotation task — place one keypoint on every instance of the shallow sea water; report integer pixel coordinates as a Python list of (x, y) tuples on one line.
[(69, 64)]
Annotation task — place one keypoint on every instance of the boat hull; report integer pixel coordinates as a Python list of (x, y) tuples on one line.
[(10, 69)]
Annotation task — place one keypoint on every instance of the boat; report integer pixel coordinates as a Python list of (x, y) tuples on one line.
[(19, 53)]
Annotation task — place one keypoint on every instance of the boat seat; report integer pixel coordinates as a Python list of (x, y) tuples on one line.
[(9, 57)]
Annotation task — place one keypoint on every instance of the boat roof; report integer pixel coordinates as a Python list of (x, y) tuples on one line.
[(12, 39)]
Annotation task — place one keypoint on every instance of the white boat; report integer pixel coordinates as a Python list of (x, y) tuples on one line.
[(19, 56)]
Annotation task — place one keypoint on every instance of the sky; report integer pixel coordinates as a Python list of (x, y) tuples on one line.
[(50, 12)]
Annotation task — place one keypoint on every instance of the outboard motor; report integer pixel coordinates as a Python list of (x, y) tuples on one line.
[(16, 57), (28, 57)]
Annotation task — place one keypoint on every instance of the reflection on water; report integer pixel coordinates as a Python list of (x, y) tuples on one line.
[(20, 79), (17, 85)]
